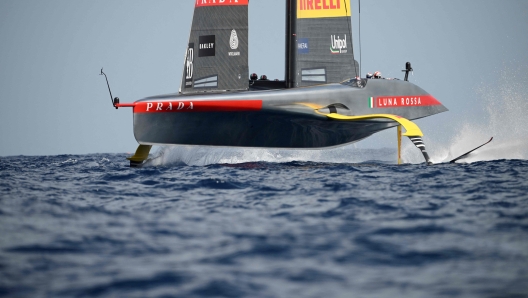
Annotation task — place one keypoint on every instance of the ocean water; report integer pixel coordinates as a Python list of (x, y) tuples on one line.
[(225, 222), (190, 225)]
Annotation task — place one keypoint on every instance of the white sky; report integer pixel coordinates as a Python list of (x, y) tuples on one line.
[(52, 100)]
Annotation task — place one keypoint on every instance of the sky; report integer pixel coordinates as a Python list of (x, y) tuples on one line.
[(53, 100)]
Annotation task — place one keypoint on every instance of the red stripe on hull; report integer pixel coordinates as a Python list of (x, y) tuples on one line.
[(405, 101), (197, 106), (200, 3)]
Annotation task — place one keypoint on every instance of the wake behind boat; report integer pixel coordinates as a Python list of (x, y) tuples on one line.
[(322, 101)]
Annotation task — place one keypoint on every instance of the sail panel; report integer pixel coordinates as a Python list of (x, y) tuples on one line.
[(324, 42), (217, 53)]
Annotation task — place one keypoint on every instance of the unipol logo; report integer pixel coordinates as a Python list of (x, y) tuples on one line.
[(338, 45), (233, 40), (189, 68)]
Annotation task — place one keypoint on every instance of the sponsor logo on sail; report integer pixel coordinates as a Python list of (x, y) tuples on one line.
[(200, 3), (233, 40), (189, 68), (402, 101), (303, 46), (207, 46), (233, 43), (338, 45), (322, 8)]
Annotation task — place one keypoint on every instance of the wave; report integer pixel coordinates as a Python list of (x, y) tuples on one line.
[(204, 155)]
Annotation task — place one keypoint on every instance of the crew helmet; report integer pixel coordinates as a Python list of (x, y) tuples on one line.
[(369, 75), (253, 77), (377, 75)]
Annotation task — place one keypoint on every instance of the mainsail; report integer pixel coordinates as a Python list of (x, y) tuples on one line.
[(217, 54), (319, 38)]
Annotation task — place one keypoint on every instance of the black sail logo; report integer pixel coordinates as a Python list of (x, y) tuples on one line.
[(207, 46), (189, 68)]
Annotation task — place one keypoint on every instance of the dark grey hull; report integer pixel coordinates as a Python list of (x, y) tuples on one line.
[(288, 118), (251, 129)]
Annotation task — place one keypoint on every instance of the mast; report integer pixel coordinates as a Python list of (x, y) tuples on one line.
[(291, 41)]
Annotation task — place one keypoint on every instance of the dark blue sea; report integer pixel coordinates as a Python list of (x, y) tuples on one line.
[(90, 226)]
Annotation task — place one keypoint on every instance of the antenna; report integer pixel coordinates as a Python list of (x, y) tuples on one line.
[(407, 69), (115, 100)]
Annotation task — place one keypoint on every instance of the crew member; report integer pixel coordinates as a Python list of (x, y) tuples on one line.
[(377, 75), (253, 77)]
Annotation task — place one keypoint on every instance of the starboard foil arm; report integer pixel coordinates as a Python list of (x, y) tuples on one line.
[(413, 132)]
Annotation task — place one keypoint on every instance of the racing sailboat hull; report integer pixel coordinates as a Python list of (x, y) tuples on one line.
[(288, 118)]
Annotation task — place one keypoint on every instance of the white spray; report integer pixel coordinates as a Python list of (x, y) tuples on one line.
[(506, 106)]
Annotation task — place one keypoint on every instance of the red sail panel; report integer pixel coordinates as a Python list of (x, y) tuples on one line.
[(200, 3)]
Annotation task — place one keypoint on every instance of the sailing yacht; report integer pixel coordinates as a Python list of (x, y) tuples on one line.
[(322, 101)]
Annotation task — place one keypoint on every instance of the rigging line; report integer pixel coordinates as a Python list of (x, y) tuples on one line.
[(359, 37), (350, 32)]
